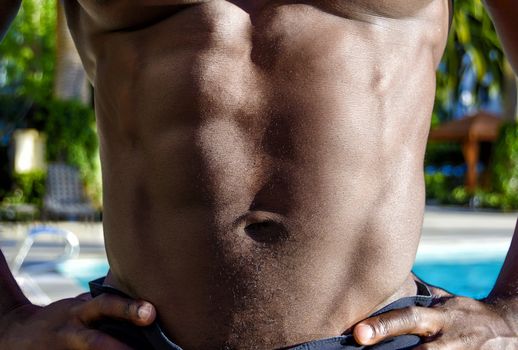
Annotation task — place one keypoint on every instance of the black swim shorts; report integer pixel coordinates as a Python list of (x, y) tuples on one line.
[(153, 338)]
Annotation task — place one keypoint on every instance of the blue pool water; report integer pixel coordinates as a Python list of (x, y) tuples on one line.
[(473, 278), (84, 270)]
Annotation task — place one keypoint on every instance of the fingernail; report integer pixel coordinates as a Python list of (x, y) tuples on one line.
[(144, 311), (365, 332)]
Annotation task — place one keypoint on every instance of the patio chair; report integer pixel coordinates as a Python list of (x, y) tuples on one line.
[(65, 197)]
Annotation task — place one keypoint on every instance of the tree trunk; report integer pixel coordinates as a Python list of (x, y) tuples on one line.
[(70, 81)]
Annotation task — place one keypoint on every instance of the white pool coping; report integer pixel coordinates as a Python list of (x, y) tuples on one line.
[(463, 250)]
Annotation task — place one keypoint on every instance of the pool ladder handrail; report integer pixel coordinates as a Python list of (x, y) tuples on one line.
[(70, 251)]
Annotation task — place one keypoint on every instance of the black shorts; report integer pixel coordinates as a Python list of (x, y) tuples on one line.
[(153, 338)]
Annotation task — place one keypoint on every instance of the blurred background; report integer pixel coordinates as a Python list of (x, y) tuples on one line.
[(47, 122), (50, 184)]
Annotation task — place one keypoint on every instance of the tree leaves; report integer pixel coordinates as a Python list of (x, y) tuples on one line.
[(472, 46), (27, 53)]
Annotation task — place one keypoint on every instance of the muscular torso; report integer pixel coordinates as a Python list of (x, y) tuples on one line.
[(262, 163)]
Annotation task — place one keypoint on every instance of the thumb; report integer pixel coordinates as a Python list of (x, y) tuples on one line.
[(419, 321)]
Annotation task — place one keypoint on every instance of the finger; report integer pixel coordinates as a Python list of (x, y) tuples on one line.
[(89, 339), (425, 322), (140, 313)]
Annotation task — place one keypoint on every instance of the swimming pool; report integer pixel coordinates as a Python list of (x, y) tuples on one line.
[(473, 279), (463, 267), (470, 275)]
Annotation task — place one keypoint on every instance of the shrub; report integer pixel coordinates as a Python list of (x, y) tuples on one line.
[(27, 53), (502, 192), (28, 188), (505, 166), (72, 139)]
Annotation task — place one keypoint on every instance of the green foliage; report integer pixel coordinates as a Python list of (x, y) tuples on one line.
[(28, 188), (505, 166), (445, 189), (472, 35), (72, 138), (22, 203), (436, 186), (492, 200), (502, 193), (27, 53), (27, 67), (439, 153)]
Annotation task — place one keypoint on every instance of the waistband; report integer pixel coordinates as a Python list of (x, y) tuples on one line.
[(152, 337)]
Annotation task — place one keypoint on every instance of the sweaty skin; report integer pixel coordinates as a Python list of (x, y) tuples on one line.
[(262, 161)]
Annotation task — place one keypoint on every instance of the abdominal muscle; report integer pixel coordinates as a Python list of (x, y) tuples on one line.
[(269, 196), (308, 274)]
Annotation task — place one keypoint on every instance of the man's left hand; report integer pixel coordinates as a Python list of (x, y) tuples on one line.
[(451, 323)]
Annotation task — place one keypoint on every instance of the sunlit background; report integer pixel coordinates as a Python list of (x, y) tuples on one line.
[(50, 187)]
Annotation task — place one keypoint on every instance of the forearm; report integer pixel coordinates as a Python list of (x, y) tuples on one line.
[(507, 283), (504, 14), (8, 10), (11, 295)]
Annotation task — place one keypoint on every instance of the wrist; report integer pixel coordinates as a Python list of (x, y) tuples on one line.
[(15, 317), (13, 298), (506, 305), (19, 304)]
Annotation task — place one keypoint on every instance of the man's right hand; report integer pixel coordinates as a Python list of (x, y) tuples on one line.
[(68, 324)]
